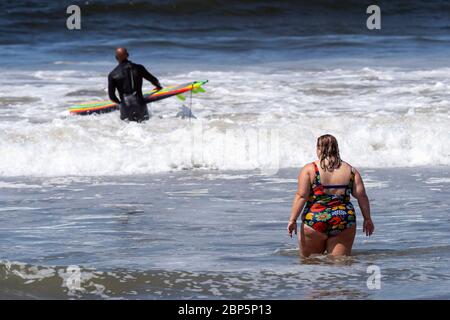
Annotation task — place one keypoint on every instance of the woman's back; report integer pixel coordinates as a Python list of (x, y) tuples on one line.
[(336, 180)]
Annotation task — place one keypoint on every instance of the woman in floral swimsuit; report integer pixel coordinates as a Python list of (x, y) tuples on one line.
[(328, 216)]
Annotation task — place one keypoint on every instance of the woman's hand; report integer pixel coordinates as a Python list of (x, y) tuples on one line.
[(292, 227), (368, 227)]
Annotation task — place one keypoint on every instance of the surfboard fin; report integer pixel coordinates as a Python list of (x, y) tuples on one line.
[(181, 97), (198, 90)]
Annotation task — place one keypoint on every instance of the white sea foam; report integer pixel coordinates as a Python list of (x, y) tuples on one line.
[(246, 120), (10, 185), (438, 180)]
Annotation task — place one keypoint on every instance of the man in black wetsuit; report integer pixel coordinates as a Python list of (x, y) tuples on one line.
[(127, 79)]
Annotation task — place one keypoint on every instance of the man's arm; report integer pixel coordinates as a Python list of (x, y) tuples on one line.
[(112, 90), (149, 77)]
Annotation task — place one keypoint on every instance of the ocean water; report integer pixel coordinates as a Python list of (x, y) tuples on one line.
[(215, 235), (197, 209)]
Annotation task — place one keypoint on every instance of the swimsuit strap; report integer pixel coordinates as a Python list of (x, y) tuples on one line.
[(316, 168), (335, 186), (349, 189), (317, 177), (352, 178)]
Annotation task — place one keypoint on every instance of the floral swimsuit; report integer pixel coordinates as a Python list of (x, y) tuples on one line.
[(329, 213)]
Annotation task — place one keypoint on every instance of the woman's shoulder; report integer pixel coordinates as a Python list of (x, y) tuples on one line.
[(308, 168), (346, 164), (352, 168)]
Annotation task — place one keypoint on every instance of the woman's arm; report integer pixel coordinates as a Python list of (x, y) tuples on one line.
[(359, 192), (300, 198)]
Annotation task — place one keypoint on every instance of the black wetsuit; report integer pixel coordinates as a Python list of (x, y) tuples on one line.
[(132, 104)]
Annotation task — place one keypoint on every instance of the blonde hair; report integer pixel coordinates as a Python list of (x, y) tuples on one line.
[(328, 148)]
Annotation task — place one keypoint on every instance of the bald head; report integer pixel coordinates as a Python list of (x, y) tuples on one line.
[(121, 54)]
